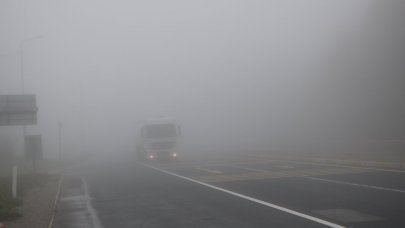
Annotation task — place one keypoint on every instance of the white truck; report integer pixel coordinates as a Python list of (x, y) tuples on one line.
[(159, 140)]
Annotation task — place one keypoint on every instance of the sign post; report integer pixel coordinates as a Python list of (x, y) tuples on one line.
[(60, 139), (33, 149)]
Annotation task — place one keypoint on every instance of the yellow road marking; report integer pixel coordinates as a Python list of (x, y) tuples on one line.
[(209, 170), (277, 174)]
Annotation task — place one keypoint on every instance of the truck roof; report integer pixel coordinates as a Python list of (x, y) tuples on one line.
[(159, 121)]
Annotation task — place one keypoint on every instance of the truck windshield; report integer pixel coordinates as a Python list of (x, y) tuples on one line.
[(162, 145), (160, 130)]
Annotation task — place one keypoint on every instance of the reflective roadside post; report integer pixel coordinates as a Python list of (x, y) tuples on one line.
[(14, 182)]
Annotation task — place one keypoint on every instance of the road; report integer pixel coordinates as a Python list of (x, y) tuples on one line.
[(229, 192)]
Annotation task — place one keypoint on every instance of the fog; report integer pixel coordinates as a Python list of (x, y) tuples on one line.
[(238, 76)]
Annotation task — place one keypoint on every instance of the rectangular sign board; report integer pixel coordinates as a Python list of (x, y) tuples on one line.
[(18, 110), (33, 146)]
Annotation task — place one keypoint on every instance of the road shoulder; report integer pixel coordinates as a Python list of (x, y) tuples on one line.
[(38, 204)]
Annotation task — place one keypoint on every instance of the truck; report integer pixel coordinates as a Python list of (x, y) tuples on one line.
[(159, 140)]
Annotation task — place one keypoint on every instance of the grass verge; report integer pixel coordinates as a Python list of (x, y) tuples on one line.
[(9, 207)]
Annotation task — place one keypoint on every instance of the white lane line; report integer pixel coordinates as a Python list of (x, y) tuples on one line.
[(93, 214), (209, 170), (305, 216), (358, 185)]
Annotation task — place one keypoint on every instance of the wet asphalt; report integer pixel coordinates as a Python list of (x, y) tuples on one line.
[(126, 193)]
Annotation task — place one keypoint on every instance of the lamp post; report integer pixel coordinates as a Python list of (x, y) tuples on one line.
[(22, 43), (60, 139)]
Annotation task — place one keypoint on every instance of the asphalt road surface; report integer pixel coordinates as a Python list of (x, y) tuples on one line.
[(229, 192)]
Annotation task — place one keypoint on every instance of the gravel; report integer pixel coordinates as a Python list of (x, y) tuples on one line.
[(38, 203)]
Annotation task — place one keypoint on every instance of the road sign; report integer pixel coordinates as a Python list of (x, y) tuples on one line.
[(18, 110), (33, 146)]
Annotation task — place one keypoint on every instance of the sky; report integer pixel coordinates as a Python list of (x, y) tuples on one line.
[(237, 75)]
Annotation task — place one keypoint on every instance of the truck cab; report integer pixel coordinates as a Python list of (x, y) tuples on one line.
[(159, 140)]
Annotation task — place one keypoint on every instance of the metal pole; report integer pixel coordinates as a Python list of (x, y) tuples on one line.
[(22, 67), (60, 139), (14, 182), (22, 42), (22, 75), (34, 161), (24, 130)]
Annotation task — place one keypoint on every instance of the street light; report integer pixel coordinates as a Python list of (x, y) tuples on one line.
[(60, 126), (22, 43)]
